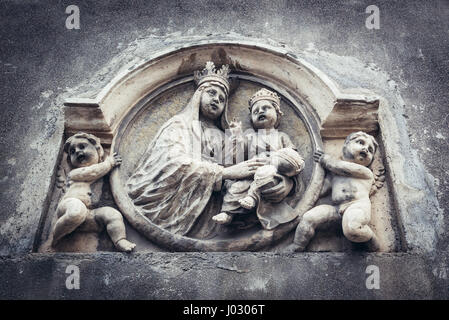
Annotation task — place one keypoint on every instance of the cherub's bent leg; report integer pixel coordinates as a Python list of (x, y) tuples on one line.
[(113, 220), (71, 212), (355, 222), (310, 221)]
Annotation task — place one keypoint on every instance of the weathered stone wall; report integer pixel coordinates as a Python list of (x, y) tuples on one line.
[(42, 63), (222, 276)]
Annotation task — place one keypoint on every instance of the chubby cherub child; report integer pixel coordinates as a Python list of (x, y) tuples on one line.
[(85, 158), (351, 181), (266, 143)]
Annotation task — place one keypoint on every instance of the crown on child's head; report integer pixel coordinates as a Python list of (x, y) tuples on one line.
[(210, 74), (264, 94)]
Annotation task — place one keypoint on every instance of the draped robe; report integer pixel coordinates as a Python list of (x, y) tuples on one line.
[(174, 182)]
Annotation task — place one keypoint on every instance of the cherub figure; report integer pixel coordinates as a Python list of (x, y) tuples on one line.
[(352, 182), (268, 145), (85, 160)]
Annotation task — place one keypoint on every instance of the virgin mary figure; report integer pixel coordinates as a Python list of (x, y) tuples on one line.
[(178, 180)]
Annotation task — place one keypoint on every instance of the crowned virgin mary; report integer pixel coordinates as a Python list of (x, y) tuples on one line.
[(178, 180)]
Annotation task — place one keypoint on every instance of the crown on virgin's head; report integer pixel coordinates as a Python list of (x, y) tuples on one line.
[(264, 94), (210, 74)]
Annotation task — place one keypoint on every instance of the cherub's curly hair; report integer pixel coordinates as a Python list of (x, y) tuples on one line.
[(91, 138)]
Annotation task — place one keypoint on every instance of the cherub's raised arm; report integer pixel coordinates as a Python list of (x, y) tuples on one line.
[(345, 168), (342, 168), (95, 171), (91, 173)]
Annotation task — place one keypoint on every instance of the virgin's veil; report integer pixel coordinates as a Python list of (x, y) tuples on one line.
[(174, 182)]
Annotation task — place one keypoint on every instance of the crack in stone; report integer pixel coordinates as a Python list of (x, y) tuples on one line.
[(233, 268)]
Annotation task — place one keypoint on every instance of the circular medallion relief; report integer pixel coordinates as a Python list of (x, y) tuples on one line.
[(139, 135)]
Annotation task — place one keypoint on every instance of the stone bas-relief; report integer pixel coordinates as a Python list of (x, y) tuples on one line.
[(192, 188), (186, 163), (86, 165), (351, 183), (132, 111)]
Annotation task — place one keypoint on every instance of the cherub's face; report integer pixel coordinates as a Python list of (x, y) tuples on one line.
[(263, 115), (213, 102), (82, 153), (360, 150)]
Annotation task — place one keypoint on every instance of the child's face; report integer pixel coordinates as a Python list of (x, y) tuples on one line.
[(82, 153), (263, 115), (359, 150)]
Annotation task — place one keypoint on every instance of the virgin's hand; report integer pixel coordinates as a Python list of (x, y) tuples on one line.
[(242, 170), (279, 191)]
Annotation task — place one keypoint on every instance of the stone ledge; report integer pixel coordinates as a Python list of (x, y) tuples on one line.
[(224, 276)]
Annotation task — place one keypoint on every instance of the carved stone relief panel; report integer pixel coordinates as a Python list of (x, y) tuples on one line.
[(177, 122)]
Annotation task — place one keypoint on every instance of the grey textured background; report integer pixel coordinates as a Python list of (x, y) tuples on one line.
[(41, 61)]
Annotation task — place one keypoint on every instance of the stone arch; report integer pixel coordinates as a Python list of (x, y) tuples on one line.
[(314, 94)]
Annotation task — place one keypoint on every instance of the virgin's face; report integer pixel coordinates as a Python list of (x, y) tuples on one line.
[(212, 103)]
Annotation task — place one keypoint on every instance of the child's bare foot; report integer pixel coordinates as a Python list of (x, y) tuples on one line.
[(248, 202), (222, 218), (125, 245)]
